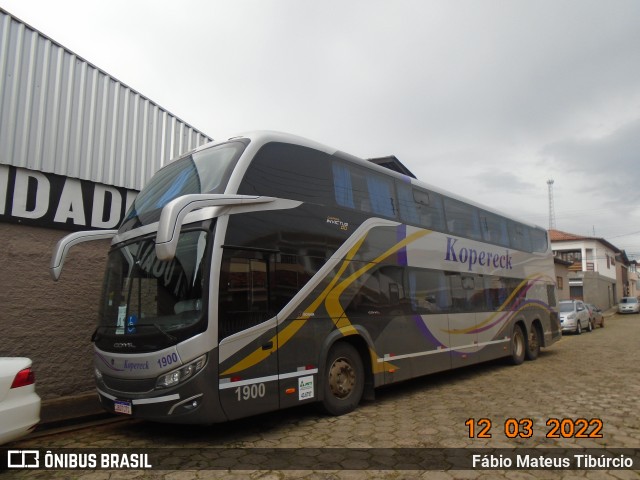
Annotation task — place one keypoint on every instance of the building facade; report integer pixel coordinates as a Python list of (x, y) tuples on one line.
[(76, 145), (597, 270)]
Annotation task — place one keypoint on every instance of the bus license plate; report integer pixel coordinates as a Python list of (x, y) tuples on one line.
[(122, 406)]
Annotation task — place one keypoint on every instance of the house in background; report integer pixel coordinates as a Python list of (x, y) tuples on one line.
[(592, 269), (627, 275), (562, 278)]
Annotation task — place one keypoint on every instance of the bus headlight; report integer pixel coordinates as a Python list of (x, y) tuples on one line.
[(181, 374)]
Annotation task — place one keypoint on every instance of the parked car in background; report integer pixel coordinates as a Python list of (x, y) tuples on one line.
[(574, 316), (19, 402), (629, 305), (597, 319)]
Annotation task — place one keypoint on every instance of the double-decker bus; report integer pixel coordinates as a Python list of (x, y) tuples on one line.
[(269, 271)]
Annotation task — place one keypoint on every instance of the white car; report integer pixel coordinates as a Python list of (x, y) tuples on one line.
[(19, 402), (574, 316), (629, 305)]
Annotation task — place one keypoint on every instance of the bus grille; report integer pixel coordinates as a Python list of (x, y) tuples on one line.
[(137, 385)]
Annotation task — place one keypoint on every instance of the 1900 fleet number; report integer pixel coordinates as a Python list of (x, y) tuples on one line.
[(250, 392)]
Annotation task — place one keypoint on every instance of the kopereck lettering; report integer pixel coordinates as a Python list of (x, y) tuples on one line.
[(470, 256)]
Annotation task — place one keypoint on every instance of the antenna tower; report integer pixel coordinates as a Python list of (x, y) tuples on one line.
[(552, 212)]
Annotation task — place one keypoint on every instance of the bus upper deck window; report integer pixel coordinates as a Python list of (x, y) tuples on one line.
[(462, 219), (342, 185), (421, 197)]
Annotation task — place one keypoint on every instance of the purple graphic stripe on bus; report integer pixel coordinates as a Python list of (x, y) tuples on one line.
[(108, 364), (426, 332), (401, 234)]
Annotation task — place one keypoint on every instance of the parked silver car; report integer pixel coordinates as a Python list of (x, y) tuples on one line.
[(629, 305), (574, 316)]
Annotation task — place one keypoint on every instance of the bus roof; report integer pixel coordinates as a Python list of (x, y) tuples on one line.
[(262, 137)]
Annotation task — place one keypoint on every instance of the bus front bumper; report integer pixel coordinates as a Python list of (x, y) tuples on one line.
[(193, 402)]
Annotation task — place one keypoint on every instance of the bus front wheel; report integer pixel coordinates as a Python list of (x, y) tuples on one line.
[(518, 346), (344, 379)]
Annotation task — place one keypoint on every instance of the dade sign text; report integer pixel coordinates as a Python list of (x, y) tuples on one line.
[(44, 199)]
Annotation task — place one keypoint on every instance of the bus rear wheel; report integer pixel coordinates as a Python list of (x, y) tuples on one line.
[(518, 346), (533, 345), (344, 379)]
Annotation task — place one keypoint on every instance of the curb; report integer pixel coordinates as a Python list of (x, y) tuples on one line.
[(66, 411)]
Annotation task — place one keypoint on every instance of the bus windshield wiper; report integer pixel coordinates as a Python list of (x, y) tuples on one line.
[(169, 337)]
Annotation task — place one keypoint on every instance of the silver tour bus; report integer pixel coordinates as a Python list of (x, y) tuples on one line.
[(269, 271)]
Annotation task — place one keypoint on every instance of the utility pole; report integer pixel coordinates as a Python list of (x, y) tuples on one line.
[(552, 212)]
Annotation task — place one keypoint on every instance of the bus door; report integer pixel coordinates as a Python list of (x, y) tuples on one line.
[(247, 326)]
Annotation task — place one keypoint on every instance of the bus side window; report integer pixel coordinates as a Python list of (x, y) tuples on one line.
[(431, 209), (289, 171), (342, 185), (494, 228), (539, 240), (363, 190), (519, 237), (244, 295), (462, 219), (428, 291), (381, 195), (360, 191), (420, 207), (467, 290), (496, 292), (406, 204)]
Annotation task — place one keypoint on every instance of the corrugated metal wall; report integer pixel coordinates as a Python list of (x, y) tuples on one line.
[(60, 114)]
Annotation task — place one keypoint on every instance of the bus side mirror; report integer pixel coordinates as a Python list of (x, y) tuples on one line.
[(174, 213), (65, 243)]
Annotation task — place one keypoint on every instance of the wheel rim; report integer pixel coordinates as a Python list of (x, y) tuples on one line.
[(342, 378), (518, 344)]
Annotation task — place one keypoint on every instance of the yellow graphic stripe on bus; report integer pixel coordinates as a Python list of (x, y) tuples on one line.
[(500, 309), (380, 367), (290, 330), (332, 302)]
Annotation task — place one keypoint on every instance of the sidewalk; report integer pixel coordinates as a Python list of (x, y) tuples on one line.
[(61, 412)]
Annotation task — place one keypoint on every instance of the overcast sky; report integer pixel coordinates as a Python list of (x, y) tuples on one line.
[(487, 99)]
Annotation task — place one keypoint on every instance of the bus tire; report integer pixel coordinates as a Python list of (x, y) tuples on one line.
[(533, 343), (518, 346), (344, 379)]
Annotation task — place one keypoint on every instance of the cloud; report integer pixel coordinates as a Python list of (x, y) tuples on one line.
[(609, 164), (485, 99)]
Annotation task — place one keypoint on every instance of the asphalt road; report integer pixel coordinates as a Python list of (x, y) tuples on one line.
[(594, 376)]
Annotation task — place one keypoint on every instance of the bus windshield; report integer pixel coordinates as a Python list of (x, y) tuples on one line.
[(146, 297), (205, 171)]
